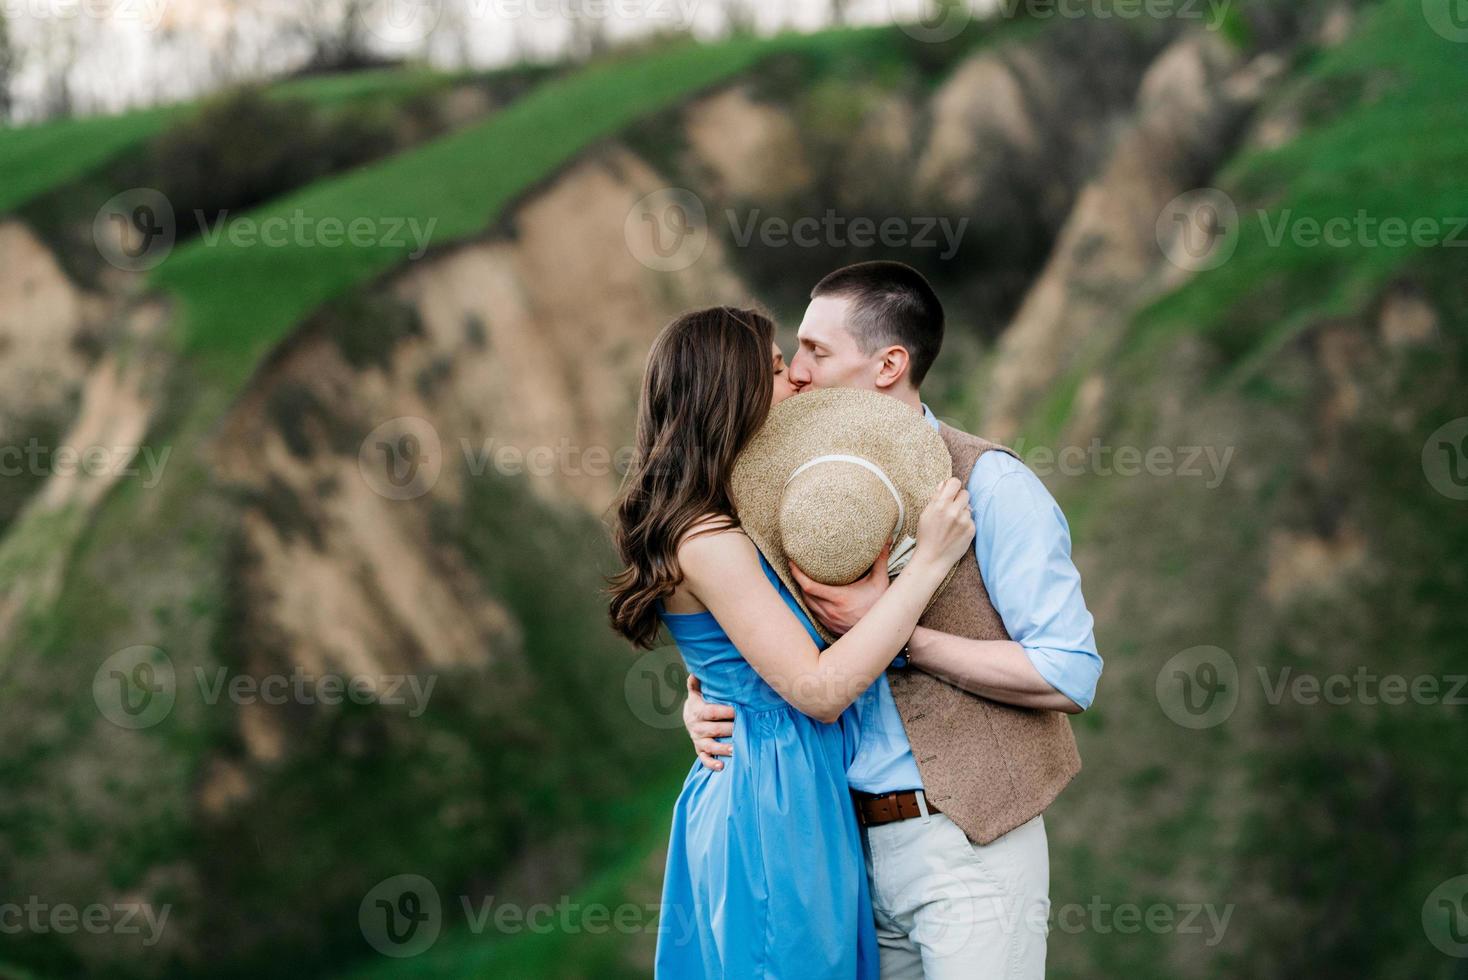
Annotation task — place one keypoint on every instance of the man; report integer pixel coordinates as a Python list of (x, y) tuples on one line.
[(965, 742)]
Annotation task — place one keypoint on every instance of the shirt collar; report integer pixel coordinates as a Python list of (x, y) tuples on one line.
[(932, 419)]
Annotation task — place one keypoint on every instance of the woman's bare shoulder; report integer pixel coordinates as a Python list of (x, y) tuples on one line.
[(712, 541)]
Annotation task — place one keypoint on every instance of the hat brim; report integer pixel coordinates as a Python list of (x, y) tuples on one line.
[(845, 421)]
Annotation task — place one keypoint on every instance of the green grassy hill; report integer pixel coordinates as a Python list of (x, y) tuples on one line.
[(542, 732), (40, 158), (1322, 550), (238, 300)]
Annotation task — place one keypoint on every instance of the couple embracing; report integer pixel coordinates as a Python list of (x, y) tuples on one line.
[(884, 634)]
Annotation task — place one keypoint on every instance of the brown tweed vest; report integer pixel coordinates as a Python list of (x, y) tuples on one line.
[(988, 766)]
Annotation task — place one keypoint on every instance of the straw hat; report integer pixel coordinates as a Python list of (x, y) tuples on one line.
[(831, 477)]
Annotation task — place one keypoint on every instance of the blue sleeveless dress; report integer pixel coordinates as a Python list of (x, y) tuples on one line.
[(765, 876)]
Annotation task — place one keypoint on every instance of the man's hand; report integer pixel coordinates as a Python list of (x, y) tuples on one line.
[(838, 607), (706, 723)]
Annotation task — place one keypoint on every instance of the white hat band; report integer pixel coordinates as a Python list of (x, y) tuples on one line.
[(864, 464)]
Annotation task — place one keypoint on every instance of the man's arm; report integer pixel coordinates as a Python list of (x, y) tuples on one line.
[(1022, 544), (1000, 670), (706, 723)]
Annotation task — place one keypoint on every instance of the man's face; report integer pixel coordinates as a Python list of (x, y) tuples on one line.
[(829, 355)]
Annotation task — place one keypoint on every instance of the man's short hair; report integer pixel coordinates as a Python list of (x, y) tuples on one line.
[(891, 304)]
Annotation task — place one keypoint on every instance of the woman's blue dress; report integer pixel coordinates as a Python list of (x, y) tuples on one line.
[(765, 876)]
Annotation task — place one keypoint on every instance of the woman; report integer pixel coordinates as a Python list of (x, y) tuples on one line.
[(764, 875)]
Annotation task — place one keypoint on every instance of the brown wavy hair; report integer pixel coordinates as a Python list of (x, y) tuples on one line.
[(706, 391)]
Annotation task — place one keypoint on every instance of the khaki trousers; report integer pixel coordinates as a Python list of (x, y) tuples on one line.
[(947, 908)]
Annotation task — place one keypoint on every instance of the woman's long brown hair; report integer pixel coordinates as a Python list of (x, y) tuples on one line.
[(707, 390)]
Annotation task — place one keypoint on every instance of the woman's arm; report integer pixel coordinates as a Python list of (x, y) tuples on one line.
[(722, 569)]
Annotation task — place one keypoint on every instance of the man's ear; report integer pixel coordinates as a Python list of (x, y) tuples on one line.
[(893, 366)]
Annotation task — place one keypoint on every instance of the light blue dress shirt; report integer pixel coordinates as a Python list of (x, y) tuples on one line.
[(1022, 542)]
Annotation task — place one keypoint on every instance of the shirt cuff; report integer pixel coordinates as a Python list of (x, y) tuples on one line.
[(1072, 673)]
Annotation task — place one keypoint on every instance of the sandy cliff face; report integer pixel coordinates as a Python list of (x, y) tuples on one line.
[(522, 362), (547, 329), (1108, 259), (43, 316), (337, 491), (73, 410), (294, 547), (752, 150)]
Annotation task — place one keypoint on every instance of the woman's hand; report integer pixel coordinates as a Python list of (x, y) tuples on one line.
[(946, 526)]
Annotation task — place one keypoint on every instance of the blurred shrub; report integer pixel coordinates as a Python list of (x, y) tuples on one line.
[(246, 148)]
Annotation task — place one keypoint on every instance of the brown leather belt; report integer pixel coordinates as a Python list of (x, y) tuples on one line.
[(873, 810)]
